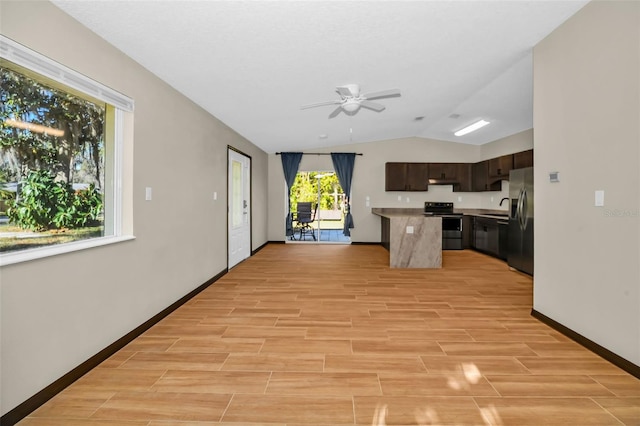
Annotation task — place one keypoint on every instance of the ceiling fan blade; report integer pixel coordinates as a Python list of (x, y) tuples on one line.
[(382, 94), (320, 104), (345, 91), (335, 112), (372, 105)]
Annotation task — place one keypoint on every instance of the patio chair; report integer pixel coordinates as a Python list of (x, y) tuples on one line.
[(304, 217)]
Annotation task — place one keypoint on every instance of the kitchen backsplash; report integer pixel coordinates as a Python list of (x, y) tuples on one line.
[(461, 200)]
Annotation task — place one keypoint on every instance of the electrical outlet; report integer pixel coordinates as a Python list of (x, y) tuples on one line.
[(148, 193), (409, 229)]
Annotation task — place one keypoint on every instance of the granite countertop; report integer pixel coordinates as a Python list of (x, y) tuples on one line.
[(492, 214), (482, 212), (397, 212)]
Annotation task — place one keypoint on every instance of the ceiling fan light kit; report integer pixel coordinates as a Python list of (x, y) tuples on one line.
[(351, 105), (351, 100)]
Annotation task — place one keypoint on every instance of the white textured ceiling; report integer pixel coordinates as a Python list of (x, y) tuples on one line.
[(253, 64)]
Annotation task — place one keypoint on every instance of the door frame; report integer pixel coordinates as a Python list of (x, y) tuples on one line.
[(250, 212)]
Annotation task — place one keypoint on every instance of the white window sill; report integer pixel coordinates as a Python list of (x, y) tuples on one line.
[(41, 252)]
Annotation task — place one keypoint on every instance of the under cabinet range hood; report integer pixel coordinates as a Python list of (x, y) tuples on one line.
[(456, 185), (443, 181)]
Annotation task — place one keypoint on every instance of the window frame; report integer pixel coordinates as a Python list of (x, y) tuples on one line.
[(49, 69)]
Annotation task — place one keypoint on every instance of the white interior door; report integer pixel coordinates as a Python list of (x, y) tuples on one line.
[(239, 216)]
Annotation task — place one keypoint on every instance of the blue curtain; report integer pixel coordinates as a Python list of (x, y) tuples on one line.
[(343, 164), (290, 164)]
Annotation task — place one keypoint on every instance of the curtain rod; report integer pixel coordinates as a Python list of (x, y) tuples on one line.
[(321, 153)]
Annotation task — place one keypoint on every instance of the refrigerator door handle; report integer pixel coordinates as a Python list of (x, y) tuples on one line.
[(523, 210), (519, 209)]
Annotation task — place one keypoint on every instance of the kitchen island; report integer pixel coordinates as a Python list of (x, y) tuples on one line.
[(413, 239)]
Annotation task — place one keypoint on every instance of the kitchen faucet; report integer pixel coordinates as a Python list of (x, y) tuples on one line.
[(505, 198)]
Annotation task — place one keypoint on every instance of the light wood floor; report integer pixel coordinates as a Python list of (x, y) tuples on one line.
[(330, 335)]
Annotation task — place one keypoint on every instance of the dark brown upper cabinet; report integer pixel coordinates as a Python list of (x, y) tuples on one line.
[(481, 179), (480, 176), (500, 167), (523, 159), (465, 182), (443, 173), (406, 176), (464, 177), (456, 174), (395, 176)]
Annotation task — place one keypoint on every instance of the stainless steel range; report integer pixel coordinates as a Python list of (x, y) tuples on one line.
[(451, 223)]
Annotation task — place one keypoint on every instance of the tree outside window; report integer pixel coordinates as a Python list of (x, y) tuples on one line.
[(52, 157), (305, 188)]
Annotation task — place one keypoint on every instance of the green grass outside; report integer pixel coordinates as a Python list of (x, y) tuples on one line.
[(48, 238)]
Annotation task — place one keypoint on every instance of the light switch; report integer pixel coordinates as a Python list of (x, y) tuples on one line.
[(215, 196), (599, 198), (148, 193), (409, 229)]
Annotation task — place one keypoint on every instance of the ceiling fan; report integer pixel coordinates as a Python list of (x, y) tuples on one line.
[(351, 100)]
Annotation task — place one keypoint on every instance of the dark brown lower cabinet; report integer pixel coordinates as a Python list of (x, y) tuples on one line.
[(385, 237), (486, 235), (467, 232)]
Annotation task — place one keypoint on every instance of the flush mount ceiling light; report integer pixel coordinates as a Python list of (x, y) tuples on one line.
[(472, 127)]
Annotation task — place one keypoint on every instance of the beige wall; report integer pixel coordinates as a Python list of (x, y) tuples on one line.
[(368, 179), (59, 311), (587, 127), (518, 142)]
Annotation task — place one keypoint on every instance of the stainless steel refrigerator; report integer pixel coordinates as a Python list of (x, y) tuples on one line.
[(520, 254)]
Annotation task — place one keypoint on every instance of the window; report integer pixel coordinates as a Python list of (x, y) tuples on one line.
[(60, 142), (237, 195)]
